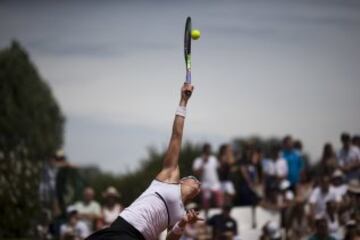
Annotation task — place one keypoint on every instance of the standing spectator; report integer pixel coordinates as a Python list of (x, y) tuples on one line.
[(223, 225), (111, 209), (321, 230), (74, 228), (349, 157), (328, 161), (226, 159), (320, 196), (294, 161), (206, 167), (89, 210), (304, 188)]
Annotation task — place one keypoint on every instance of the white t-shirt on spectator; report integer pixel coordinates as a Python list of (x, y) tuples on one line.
[(340, 191), (268, 166), (346, 157), (281, 167), (92, 208), (209, 178), (319, 199), (80, 230)]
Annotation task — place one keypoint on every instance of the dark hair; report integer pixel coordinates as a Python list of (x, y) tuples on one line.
[(345, 137), (222, 149), (206, 148), (286, 138)]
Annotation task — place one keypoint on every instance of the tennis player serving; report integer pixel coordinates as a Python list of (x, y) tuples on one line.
[(161, 206)]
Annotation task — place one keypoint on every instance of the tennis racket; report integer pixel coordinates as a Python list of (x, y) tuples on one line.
[(187, 52)]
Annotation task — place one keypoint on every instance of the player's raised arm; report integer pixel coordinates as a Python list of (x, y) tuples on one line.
[(170, 169)]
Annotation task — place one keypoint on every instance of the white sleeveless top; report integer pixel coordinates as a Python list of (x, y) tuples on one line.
[(148, 213)]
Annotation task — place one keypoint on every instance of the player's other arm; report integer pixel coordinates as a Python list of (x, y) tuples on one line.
[(170, 170)]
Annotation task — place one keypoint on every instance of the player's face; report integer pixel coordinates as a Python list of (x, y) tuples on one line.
[(194, 184)]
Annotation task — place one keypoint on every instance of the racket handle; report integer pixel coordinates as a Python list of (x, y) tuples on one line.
[(188, 81)]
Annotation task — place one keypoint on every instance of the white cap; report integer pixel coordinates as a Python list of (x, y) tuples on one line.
[(273, 229)]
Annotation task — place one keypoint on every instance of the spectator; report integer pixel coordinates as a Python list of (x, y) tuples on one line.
[(350, 206), (349, 157), (340, 188), (328, 161), (321, 230), (298, 223), (248, 186), (275, 170), (333, 220), (356, 141), (226, 158), (294, 161), (223, 225), (304, 188), (111, 209), (73, 229), (206, 167), (352, 231), (320, 196), (89, 210), (271, 231)]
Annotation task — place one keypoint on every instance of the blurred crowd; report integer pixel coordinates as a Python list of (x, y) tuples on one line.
[(314, 202)]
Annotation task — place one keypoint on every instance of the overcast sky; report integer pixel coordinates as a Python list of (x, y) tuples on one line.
[(261, 67)]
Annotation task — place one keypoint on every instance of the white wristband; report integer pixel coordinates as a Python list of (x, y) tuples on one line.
[(177, 229), (181, 111)]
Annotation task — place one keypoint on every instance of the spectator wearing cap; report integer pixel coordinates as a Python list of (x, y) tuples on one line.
[(321, 230), (223, 225), (89, 210), (349, 157), (350, 206), (111, 209), (74, 228), (337, 180), (352, 230), (294, 161)]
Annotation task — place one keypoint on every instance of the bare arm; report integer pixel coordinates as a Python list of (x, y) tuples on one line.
[(170, 170), (189, 218)]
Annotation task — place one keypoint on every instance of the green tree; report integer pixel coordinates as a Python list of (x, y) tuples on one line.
[(31, 129)]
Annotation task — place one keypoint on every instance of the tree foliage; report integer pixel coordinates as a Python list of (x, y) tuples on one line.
[(31, 129)]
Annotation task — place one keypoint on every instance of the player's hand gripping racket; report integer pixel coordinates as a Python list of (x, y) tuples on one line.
[(187, 52)]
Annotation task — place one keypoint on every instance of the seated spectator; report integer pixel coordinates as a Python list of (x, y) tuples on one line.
[(271, 231), (337, 180), (352, 230), (298, 223), (321, 230), (320, 196), (74, 228), (294, 161), (111, 209), (349, 158), (205, 167), (226, 160), (350, 206), (223, 225), (89, 210), (333, 220)]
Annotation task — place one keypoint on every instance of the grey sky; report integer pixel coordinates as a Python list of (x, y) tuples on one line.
[(261, 67)]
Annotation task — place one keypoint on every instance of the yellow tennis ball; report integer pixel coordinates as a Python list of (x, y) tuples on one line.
[(195, 34)]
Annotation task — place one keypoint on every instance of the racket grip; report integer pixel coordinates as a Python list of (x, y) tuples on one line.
[(188, 81)]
